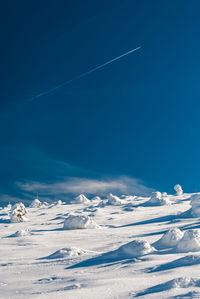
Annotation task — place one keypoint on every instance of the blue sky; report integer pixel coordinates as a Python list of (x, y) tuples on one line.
[(137, 118)]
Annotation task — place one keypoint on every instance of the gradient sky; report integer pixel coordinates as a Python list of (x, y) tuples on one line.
[(137, 117)]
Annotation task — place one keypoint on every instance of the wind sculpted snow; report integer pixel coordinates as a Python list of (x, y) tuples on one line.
[(142, 249)]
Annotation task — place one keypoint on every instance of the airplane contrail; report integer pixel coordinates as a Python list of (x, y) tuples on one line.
[(83, 74)]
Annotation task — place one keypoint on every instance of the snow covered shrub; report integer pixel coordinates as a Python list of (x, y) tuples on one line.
[(157, 199), (169, 239), (79, 222), (113, 200), (134, 249), (195, 203), (190, 241), (35, 203), (18, 212), (178, 189), (81, 199)]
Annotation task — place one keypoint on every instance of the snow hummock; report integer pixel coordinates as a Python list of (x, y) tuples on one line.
[(176, 283), (35, 203), (66, 253), (195, 203), (21, 233), (96, 198), (81, 199), (135, 248), (169, 239), (113, 200), (18, 212), (190, 241), (158, 199), (79, 222), (178, 189)]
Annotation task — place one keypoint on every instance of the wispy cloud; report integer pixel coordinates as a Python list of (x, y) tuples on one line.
[(120, 185)]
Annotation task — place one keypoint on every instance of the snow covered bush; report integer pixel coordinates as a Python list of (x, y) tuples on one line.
[(195, 203), (190, 241), (157, 199), (18, 212), (35, 203), (81, 199), (113, 200), (178, 189), (79, 222), (169, 239), (134, 249)]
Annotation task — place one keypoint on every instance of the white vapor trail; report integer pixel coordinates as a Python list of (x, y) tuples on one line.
[(83, 74)]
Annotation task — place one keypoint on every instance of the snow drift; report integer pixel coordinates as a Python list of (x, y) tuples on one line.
[(79, 222)]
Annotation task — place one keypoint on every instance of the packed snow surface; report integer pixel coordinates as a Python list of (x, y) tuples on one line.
[(146, 248)]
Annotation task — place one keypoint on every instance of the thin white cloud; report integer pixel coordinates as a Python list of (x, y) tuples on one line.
[(120, 185)]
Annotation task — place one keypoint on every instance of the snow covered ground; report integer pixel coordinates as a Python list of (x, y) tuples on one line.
[(125, 247)]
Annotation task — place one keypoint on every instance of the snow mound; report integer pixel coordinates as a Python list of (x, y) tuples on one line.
[(81, 199), (79, 222), (190, 241), (66, 253), (188, 260), (113, 200), (178, 189), (169, 239), (21, 233), (157, 199), (96, 198), (59, 203), (195, 203), (180, 282), (18, 212), (35, 203), (134, 249)]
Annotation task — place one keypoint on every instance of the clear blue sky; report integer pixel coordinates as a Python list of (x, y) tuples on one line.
[(137, 117)]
